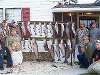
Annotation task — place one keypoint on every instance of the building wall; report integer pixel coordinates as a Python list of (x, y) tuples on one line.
[(40, 10)]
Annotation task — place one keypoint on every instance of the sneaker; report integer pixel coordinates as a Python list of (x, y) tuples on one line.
[(9, 66), (1, 68)]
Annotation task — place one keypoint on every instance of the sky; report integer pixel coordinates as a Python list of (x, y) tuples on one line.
[(86, 1)]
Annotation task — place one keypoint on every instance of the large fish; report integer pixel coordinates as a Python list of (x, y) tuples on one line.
[(56, 27), (46, 45), (73, 40), (43, 32), (27, 45), (38, 29), (33, 29), (62, 29), (73, 29), (23, 29), (50, 47), (28, 27), (35, 48), (49, 30), (57, 51), (62, 48), (68, 42), (67, 31), (23, 33)]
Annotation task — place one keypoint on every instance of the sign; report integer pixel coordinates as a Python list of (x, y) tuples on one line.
[(25, 14)]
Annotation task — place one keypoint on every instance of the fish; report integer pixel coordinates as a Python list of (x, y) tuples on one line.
[(35, 48), (62, 48), (56, 50), (73, 28), (28, 27), (50, 47), (23, 29), (56, 27), (38, 29), (62, 29), (50, 30), (43, 28), (46, 45), (67, 31), (33, 30)]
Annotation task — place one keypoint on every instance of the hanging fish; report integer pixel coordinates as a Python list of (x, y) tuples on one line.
[(50, 48), (33, 28), (38, 29), (67, 31), (35, 48), (62, 47), (23, 29), (57, 51), (73, 42), (73, 28), (43, 27), (23, 33), (29, 28), (50, 30), (56, 27), (69, 43), (62, 29), (54, 30)]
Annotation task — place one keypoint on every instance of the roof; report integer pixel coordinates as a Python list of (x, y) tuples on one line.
[(92, 5), (77, 7), (97, 2)]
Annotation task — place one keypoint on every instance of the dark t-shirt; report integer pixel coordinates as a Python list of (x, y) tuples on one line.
[(96, 55)]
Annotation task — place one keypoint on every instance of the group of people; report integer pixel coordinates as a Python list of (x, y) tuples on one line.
[(88, 45), (10, 45)]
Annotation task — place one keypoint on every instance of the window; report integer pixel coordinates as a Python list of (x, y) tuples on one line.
[(13, 14)]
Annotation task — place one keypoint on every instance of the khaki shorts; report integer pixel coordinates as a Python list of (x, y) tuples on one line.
[(17, 57)]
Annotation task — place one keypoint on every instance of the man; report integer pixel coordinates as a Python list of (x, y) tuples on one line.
[(81, 32), (95, 66), (14, 46), (94, 35), (4, 52)]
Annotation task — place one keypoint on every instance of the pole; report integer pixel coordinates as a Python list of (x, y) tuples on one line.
[(71, 42), (62, 16)]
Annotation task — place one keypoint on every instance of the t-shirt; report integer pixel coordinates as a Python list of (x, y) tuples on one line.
[(80, 34), (88, 50), (94, 33), (96, 55)]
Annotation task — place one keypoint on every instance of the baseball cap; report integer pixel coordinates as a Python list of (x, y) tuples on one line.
[(97, 41)]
